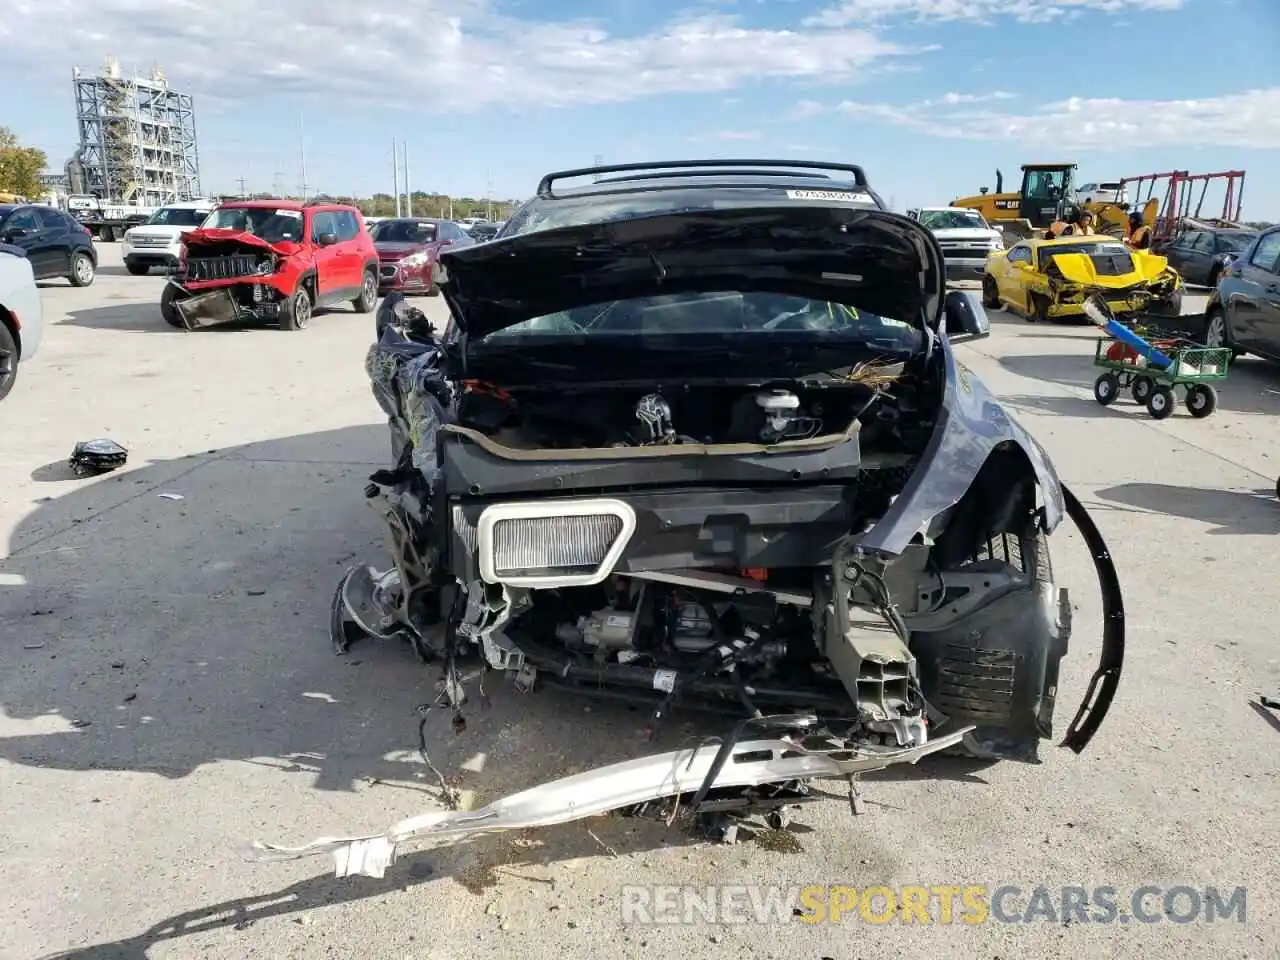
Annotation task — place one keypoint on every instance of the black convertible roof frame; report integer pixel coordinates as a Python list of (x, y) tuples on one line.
[(675, 169)]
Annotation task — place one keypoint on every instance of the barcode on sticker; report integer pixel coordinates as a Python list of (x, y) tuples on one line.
[(664, 680), (840, 196)]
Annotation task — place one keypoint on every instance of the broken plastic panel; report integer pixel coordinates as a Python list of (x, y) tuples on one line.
[(97, 456), (606, 789)]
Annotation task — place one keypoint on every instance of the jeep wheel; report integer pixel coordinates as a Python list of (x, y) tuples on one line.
[(295, 313), (82, 271), (368, 298), (8, 361), (169, 307)]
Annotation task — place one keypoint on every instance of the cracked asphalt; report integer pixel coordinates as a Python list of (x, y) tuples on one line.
[(167, 688)]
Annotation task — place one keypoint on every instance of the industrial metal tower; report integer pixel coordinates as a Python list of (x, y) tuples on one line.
[(137, 139)]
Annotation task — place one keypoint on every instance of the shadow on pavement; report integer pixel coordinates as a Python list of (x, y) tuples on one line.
[(174, 634), (1232, 512), (1252, 386), (125, 316)]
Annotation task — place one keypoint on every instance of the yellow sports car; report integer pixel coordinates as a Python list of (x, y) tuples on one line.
[(1050, 279)]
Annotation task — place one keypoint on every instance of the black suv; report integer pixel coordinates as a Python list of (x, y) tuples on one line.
[(57, 245)]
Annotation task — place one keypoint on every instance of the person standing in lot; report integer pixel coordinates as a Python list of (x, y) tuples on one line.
[(1139, 235)]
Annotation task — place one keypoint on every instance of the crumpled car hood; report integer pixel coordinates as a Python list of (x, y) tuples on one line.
[(215, 235), (876, 260), (1080, 268)]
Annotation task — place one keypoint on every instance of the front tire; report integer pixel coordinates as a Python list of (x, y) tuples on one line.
[(1202, 400), (169, 307), (990, 292), (1160, 403), (368, 298), (295, 313), (82, 270), (1106, 388), (8, 361), (138, 269), (1217, 333)]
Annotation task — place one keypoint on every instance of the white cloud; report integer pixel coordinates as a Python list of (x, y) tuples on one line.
[(433, 55), (845, 13), (1248, 119)]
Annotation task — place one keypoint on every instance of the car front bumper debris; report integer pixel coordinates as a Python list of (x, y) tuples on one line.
[(619, 786)]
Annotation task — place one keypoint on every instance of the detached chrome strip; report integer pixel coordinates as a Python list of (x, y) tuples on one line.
[(617, 786)]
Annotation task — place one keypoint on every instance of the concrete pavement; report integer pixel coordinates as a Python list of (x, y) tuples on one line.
[(168, 689)]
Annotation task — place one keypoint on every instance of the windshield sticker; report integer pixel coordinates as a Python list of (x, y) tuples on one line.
[(841, 196), (291, 214)]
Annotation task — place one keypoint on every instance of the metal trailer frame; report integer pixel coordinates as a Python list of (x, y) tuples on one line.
[(1179, 187)]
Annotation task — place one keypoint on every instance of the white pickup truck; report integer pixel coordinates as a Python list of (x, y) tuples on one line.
[(965, 237), (21, 314)]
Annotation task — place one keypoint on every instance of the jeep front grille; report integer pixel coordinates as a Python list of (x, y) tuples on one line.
[(222, 268)]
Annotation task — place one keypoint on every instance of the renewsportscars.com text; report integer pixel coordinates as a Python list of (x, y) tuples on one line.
[(962, 904)]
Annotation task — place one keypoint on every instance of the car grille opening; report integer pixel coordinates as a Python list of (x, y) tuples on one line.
[(553, 546), (222, 268)]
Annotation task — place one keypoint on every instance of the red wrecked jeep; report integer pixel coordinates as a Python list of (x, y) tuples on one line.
[(271, 260)]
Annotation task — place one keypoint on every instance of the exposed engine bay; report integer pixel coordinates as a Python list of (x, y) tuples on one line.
[(851, 561)]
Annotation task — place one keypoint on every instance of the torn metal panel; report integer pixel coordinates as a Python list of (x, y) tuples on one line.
[(208, 309), (601, 791)]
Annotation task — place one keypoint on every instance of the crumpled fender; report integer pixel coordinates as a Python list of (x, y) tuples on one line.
[(285, 248), (971, 424), (1080, 268)]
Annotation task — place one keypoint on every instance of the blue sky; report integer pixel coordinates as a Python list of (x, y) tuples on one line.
[(931, 96)]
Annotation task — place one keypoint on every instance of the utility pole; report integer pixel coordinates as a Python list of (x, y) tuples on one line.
[(488, 196), (408, 194), (302, 152), (277, 184), (395, 173), (598, 162), (242, 191)]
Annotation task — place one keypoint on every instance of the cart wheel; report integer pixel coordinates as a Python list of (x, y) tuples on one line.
[(1160, 403), (1106, 388), (1142, 387), (1202, 399)]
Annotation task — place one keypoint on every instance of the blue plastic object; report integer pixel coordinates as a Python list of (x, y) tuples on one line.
[(1126, 336)]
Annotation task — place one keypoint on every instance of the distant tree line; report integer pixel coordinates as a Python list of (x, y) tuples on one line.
[(424, 205), (20, 166)]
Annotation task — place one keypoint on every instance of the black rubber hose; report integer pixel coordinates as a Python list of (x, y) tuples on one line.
[(1106, 679)]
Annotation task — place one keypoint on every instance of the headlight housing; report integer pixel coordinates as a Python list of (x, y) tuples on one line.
[(416, 259)]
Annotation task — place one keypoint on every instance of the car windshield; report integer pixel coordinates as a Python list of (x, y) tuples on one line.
[(1235, 242), (271, 225), (750, 318), (177, 217), (404, 231), (952, 220)]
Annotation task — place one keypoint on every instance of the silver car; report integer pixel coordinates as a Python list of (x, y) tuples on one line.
[(21, 314)]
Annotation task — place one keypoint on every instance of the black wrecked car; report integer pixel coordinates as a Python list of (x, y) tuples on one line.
[(696, 436)]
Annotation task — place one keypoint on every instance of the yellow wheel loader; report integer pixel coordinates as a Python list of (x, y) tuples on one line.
[(1047, 194)]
